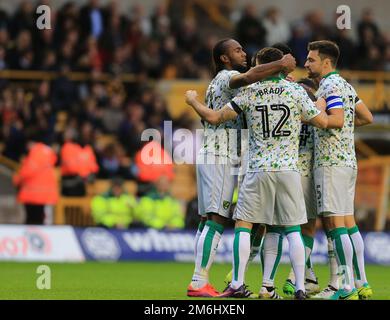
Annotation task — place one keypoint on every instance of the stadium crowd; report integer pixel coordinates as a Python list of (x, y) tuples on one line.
[(161, 45)]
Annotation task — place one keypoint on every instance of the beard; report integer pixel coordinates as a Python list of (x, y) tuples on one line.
[(313, 75), (240, 68)]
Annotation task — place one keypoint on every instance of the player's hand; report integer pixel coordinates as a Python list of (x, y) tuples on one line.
[(321, 104), (191, 96), (288, 63)]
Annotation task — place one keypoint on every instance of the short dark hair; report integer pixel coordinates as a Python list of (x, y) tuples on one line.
[(282, 47), (326, 49), (308, 84), (268, 54), (219, 50)]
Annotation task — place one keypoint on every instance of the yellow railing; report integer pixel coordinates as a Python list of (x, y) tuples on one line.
[(51, 75)]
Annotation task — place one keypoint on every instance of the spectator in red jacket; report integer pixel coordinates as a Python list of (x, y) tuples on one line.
[(37, 182), (78, 166)]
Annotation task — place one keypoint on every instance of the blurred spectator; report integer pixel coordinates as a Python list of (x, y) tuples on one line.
[(373, 60), (316, 25), (153, 162), (4, 38), (132, 127), (67, 20), (36, 181), (367, 24), (114, 162), (298, 43), (23, 18), (91, 20), (277, 30), (114, 208), (139, 18), (43, 44), (251, 34), (91, 113), (20, 55), (3, 63), (64, 91), (113, 114), (158, 209), (161, 22), (78, 166), (114, 35), (202, 56), (90, 59), (387, 58), (188, 37), (151, 59), (347, 49), (3, 20)]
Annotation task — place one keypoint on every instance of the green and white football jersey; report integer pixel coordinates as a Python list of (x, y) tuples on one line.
[(273, 109), (336, 147), (217, 138), (306, 150)]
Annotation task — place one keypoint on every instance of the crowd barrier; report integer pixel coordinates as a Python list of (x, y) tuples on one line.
[(69, 244)]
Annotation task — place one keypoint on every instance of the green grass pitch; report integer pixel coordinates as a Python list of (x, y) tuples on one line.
[(140, 280)]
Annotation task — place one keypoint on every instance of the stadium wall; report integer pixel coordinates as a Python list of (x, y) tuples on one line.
[(68, 244)]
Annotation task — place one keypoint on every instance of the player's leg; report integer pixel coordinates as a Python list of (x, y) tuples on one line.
[(248, 211), (344, 255), (257, 234), (272, 246), (333, 284), (290, 211), (206, 248), (241, 252), (334, 201), (297, 256), (215, 191), (308, 234), (364, 289), (311, 282)]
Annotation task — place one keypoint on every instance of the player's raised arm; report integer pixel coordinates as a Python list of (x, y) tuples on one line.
[(363, 115), (259, 72), (207, 114)]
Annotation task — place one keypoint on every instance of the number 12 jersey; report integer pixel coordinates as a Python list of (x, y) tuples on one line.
[(273, 109)]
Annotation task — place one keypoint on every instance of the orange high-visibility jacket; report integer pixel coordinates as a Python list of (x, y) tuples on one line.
[(153, 162), (76, 160), (36, 178)]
